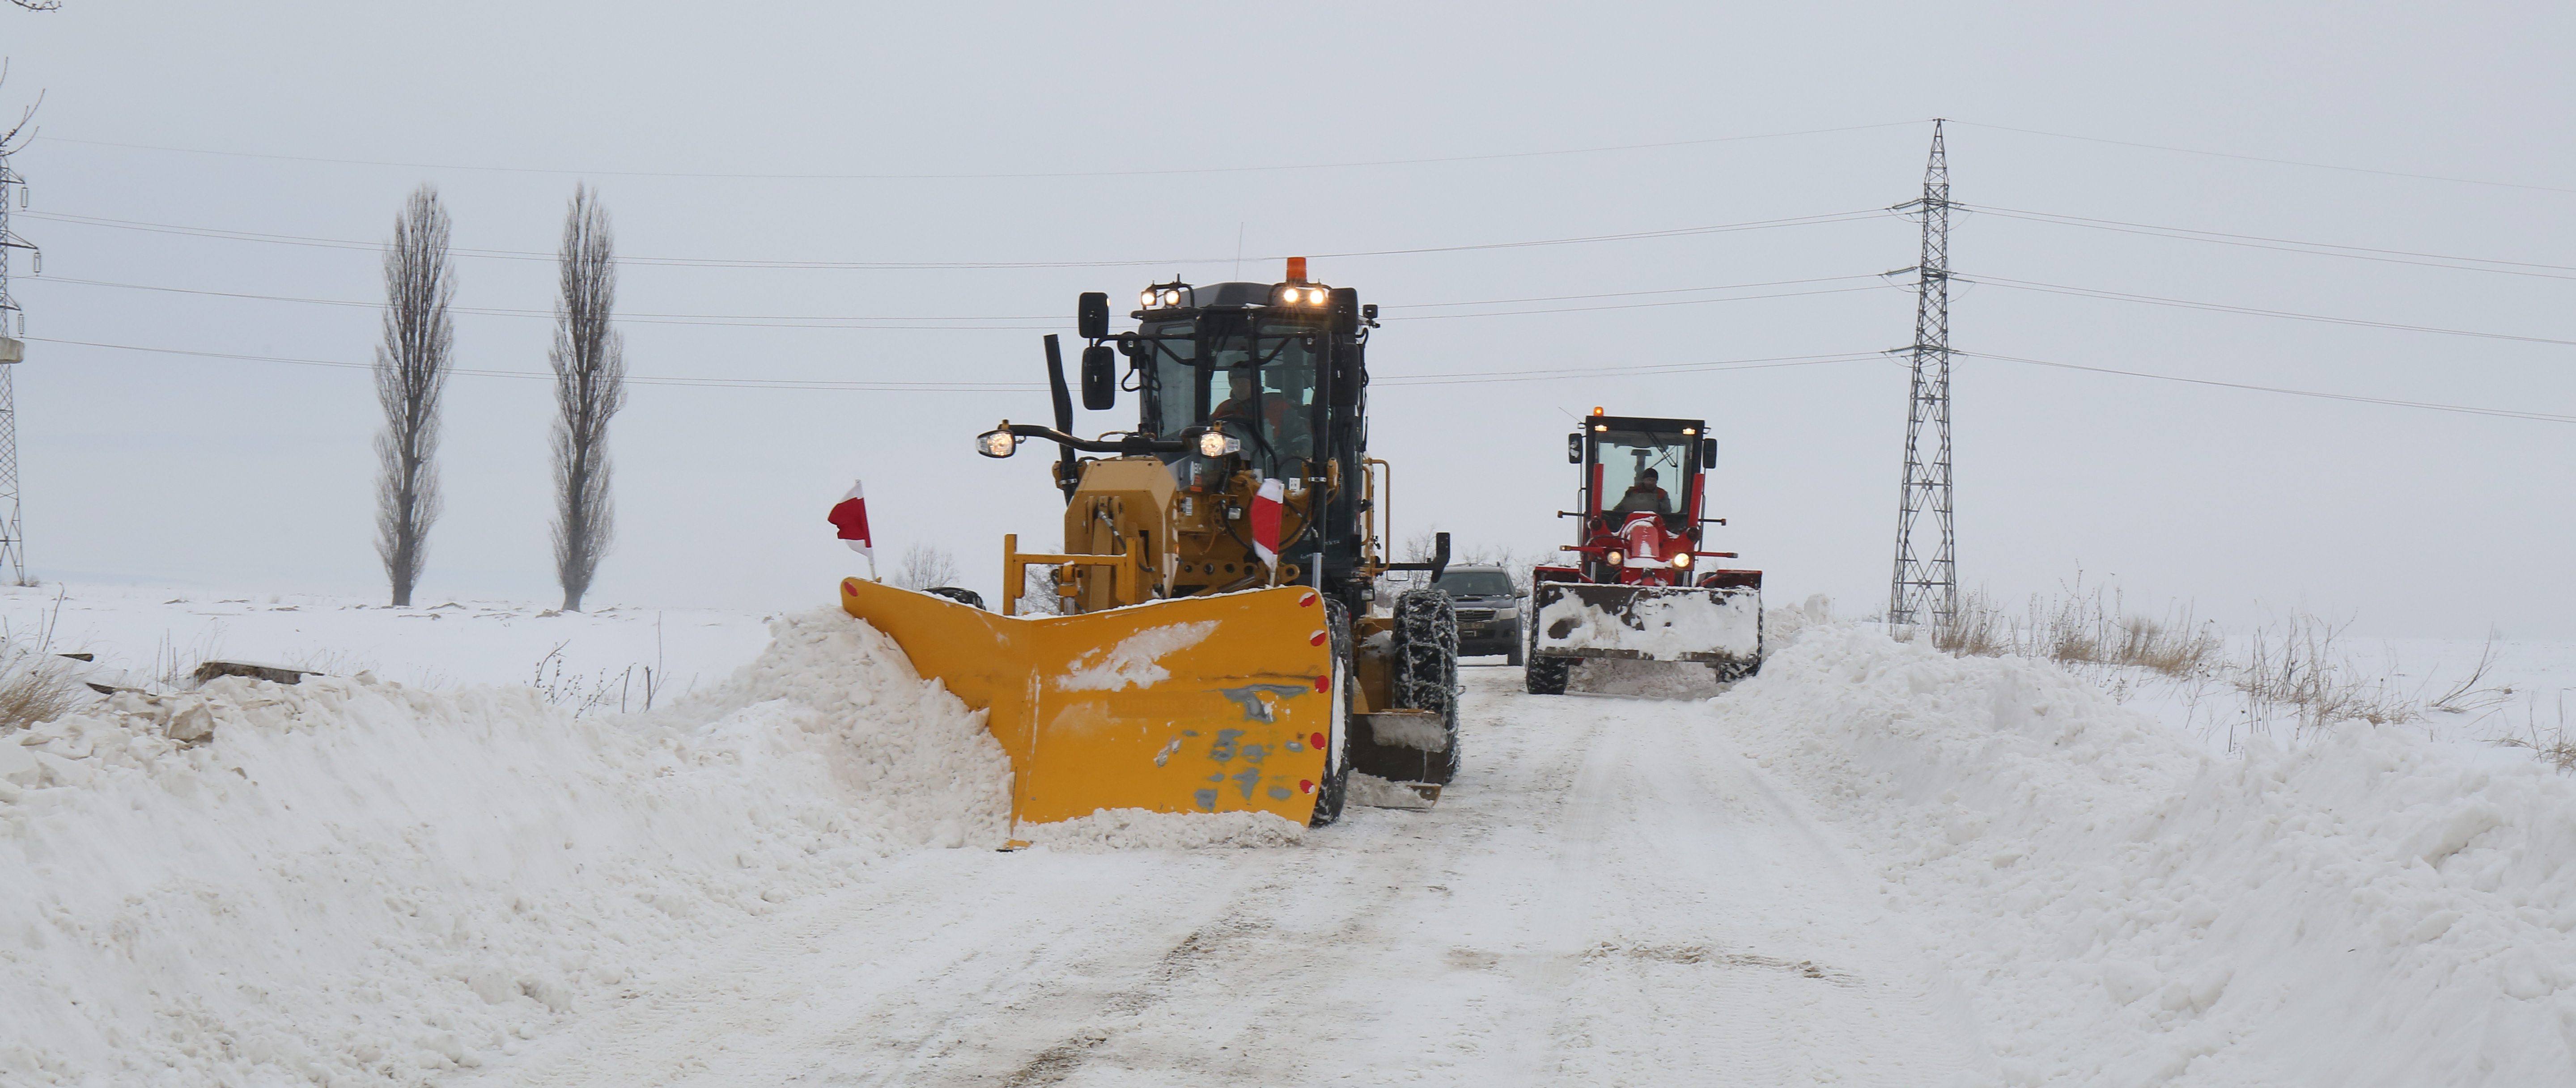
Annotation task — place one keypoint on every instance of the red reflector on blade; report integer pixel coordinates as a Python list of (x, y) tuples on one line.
[(1323, 683), (1317, 740), (1317, 639), (1305, 787), (1307, 601)]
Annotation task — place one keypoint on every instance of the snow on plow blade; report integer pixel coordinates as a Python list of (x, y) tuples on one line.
[(1213, 704), (1648, 623)]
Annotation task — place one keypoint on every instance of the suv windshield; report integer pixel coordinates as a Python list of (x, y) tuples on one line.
[(1474, 583), (1641, 468), (1251, 382)]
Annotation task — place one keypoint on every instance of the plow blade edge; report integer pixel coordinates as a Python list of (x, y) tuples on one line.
[(1197, 705), (1648, 623)]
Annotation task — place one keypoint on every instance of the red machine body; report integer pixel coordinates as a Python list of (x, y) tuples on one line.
[(1641, 583), (1622, 545)]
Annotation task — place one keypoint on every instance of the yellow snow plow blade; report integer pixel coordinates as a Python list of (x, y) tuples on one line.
[(1214, 704)]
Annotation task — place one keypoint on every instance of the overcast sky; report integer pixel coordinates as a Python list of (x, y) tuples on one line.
[(1024, 142)]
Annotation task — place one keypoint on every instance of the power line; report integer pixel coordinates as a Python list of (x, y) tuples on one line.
[(1628, 294), (2506, 413), (724, 320), (2221, 307), (1161, 172), (2278, 162), (2286, 245), (1648, 370), (916, 266), (1647, 305), (833, 322), (747, 383)]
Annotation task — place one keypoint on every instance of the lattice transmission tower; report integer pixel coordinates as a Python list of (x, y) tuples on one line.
[(1927, 590), (13, 543)]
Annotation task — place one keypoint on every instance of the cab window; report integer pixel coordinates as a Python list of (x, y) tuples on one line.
[(1641, 471)]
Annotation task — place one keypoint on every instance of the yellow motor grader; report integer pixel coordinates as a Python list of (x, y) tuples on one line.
[(1217, 644)]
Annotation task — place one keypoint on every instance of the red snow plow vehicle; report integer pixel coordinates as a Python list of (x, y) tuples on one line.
[(1641, 586)]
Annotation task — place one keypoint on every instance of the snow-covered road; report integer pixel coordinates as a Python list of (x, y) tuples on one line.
[(1610, 896), (1874, 863)]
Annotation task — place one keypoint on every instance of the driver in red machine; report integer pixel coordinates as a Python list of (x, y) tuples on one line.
[(1644, 497)]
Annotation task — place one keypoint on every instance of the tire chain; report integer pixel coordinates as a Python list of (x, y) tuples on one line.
[(1426, 662)]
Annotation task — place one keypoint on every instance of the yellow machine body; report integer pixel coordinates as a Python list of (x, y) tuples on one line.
[(1209, 704), (1174, 667)]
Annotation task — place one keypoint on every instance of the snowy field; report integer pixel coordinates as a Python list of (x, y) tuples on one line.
[(456, 860)]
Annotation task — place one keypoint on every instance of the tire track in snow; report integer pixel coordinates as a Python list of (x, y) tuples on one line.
[(1608, 895), (1728, 943)]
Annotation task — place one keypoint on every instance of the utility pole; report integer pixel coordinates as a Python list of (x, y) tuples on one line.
[(1928, 591), (13, 544)]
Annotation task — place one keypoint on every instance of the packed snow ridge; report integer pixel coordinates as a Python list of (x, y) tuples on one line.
[(2364, 907), (350, 881)]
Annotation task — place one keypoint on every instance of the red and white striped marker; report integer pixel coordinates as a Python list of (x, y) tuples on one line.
[(1265, 521)]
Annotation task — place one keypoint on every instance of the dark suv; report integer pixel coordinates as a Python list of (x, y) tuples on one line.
[(1489, 609)]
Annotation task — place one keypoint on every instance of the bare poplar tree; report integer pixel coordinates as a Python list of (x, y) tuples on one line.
[(411, 375), (926, 566), (589, 361)]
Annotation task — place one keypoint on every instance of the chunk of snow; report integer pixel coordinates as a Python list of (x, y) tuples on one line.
[(1135, 660)]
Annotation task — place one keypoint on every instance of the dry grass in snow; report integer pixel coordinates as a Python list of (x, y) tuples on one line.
[(2295, 672)]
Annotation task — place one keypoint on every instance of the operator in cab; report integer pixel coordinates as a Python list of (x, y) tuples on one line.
[(1645, 497), (1239, 387), (1280, 425)]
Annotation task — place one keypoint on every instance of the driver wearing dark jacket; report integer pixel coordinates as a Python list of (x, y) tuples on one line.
[(1239, 387), (1645, 498)]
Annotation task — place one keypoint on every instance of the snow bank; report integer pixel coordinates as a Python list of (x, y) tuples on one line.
[(354, 882), (1144, 829), (2363, 909), (1659, 626)]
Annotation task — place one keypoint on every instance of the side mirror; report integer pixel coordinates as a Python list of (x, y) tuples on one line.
[(1091, 315), (1346, 310), (1574, 449), (1350, 372), (1099, 376), (1707, 454)]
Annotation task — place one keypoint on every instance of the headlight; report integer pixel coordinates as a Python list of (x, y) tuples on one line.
[(1318, 295), (1681, 560), (1618, 557), (998, 442), (1218, 444), (1145, 299), (1172, 297)]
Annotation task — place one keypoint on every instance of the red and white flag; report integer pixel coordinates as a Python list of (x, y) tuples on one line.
[(851, 516), (1265, 521)]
